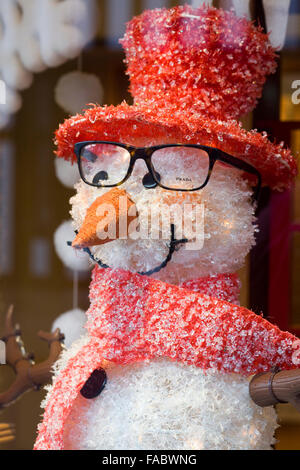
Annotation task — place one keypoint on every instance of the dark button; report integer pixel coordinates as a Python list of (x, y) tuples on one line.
[(94, 385)]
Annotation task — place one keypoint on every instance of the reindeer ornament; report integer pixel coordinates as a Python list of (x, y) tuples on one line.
[(168, 354), (29, 376)]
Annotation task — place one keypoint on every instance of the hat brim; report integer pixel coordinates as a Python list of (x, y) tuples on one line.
[(140, 126)]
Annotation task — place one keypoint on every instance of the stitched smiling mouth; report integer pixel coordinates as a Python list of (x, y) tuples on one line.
[(173, 246)]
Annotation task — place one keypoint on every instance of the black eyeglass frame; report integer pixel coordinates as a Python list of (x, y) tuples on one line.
[(145, 153)]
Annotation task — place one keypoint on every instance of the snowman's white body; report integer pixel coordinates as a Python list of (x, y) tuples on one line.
[(164, 404)]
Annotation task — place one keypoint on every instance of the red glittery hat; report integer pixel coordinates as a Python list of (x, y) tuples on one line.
[(193, 73)]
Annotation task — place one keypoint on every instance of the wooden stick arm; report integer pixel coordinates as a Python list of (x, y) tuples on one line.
[(29, 376), (276, 387)]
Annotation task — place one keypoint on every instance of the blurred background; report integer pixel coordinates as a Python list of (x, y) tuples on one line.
[(34, 202)]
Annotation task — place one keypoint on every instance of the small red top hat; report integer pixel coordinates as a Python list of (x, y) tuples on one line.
[(193, 73)]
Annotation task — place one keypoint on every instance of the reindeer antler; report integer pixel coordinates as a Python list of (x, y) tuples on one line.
[(29, 376)]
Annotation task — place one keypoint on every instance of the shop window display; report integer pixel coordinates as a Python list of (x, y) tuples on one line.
[(166, 210)]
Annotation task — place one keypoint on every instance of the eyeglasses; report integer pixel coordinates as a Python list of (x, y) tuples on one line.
[(174, 167)]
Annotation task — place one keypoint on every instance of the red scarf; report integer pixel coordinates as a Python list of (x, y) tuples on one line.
[(135, 318)]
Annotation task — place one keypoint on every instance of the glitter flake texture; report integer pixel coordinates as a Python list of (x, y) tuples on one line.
[(207, 61), (133, 318), (193, 73)]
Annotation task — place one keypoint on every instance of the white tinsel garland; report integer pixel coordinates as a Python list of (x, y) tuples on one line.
[(36, 34)]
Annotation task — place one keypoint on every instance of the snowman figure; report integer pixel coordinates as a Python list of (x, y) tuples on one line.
[(169, 351)]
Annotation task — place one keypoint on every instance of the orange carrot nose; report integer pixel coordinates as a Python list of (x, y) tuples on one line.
[(107, 219)]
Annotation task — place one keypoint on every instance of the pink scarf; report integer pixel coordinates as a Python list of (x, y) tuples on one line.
[(135, 318)]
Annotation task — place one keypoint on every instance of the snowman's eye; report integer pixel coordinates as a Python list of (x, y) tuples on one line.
[(95, 384), (104, 164), (100, 176)]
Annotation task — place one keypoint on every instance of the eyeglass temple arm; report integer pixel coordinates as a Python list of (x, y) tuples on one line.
[(226, 158)]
